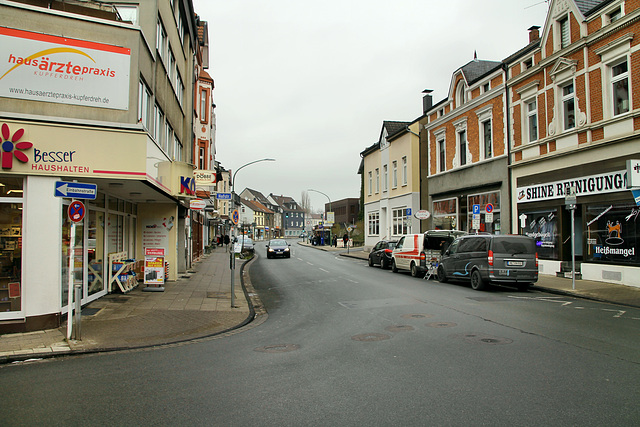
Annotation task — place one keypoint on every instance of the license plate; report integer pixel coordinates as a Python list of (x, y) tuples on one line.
[(515, 263), (503, 272)]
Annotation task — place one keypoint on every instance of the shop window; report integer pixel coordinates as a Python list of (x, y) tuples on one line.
[(445, 214), (10, 249), (75, 266), (613, 233), (489, 215), (543, 227)]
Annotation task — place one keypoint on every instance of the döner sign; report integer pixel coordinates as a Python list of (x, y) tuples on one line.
[(197, 204)]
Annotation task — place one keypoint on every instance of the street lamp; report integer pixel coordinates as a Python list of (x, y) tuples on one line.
[(233, 208), (330, 210)]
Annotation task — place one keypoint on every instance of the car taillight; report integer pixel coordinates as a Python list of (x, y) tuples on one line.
[(536, 259), (422, 256), (388, 251), (490, 257)]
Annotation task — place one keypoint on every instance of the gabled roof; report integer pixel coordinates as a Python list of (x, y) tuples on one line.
[(258, 196), (283, 201), (587, 6), (256, 206), (394, 127)]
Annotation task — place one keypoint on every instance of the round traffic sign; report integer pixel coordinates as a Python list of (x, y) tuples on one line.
[(488, 208), (235, 217), (76, 211)]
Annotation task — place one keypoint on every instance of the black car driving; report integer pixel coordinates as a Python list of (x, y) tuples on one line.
[(381, 253), (278, 248)]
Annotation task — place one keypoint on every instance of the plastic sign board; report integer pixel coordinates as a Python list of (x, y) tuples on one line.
[(197, 204), (76, 190), (76, 211), (223, 196), (423, 214), (633, 173), (154, 266)]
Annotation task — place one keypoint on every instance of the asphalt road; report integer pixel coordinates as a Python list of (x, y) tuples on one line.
[(346, 344)]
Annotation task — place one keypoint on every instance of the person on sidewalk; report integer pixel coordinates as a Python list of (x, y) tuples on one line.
[(226, 242), (345, 239), (334, 242)]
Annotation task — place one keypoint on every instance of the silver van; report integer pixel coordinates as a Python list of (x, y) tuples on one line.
[(483, 259)]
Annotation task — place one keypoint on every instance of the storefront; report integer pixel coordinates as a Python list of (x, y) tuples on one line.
[(457, 212), (606, 218), (130, 209)]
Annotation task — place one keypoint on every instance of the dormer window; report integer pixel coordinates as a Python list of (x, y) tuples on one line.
[(527, 63), (565, 32), (461, 96), (485, 87), (614, 15)]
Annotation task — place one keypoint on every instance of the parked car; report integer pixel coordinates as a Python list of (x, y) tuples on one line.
[(420, 252), (243, 244), (381, 253), (483, 259), (278, 248)]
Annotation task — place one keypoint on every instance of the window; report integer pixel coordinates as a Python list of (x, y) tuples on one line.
[(441, 155), (486, 137), (568, 107), (168, 137), (614, 15), (171, 65), (527, 63), (532, 120), (620, 83), (179, 89), (404, 171), (394, 178), (128, 13), (177, 149), (161, 41), (158, 124), (204, 111), (565, 32), (462, 143), (374, 223), (385, 178), (370, 183), (441, 112), (485, 87), (377, 180), (461, 96), (401, 222), (144, 105)]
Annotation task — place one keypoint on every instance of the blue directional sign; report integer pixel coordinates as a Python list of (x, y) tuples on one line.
[(223, 196), (76, 190)]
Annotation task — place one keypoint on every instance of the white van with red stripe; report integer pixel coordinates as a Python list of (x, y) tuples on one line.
[(416, 252)]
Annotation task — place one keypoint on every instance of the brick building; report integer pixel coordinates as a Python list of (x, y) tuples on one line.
[(574, 118)]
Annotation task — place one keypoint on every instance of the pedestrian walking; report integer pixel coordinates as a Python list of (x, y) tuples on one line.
[(345, 239), (226, 242), (334, 242)]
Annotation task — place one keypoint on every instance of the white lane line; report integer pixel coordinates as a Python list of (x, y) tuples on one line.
[(322, 269), (309, 263), (352, 281)]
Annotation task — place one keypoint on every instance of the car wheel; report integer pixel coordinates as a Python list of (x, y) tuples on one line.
[(414, 270), (383, 264), (476, 281), (370, 262), (442, 277), (394, 268)]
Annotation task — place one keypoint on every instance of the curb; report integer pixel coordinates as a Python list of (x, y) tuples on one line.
[(256, 311)]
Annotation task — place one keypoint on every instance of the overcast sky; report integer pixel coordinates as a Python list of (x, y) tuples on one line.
[(310, 83)]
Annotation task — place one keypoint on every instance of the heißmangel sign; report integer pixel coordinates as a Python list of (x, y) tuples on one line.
[(49, 68)]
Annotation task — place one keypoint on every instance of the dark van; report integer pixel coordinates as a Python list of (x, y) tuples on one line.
[(483, 259)]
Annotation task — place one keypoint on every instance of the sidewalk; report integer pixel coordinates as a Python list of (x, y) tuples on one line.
[(197, 305), (598, 291)]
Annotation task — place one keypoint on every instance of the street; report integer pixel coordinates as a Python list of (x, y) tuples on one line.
[(346, 344)]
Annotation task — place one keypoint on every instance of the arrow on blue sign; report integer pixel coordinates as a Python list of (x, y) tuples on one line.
[(76, 190)]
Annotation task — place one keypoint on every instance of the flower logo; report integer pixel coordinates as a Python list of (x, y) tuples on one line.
[(8, 146)]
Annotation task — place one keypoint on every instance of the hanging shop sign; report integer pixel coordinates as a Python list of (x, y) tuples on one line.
[(610, 182), (633, 173), (48, 68), (423, 214), (204, 178), (197, 204)]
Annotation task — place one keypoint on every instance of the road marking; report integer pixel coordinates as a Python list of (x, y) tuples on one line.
[(326, 271), (352, 281), (620, 312), (309, 263)]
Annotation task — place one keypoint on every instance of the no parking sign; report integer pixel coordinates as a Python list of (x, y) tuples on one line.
[(76, 211)]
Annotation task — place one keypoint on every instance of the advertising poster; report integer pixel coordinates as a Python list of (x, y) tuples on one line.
[(154, 266), (155, 232), (43, 67)]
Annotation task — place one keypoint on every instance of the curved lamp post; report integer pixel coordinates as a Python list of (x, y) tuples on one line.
[(233, 208), (330, 210)]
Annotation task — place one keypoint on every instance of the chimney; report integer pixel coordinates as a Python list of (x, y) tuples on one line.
[(534, 34), (427, 101)]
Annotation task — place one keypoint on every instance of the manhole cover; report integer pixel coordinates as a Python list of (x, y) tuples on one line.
[(370, 337), (399, 328), (278, 348), (416, 316), (441, 324), (484, 339)]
